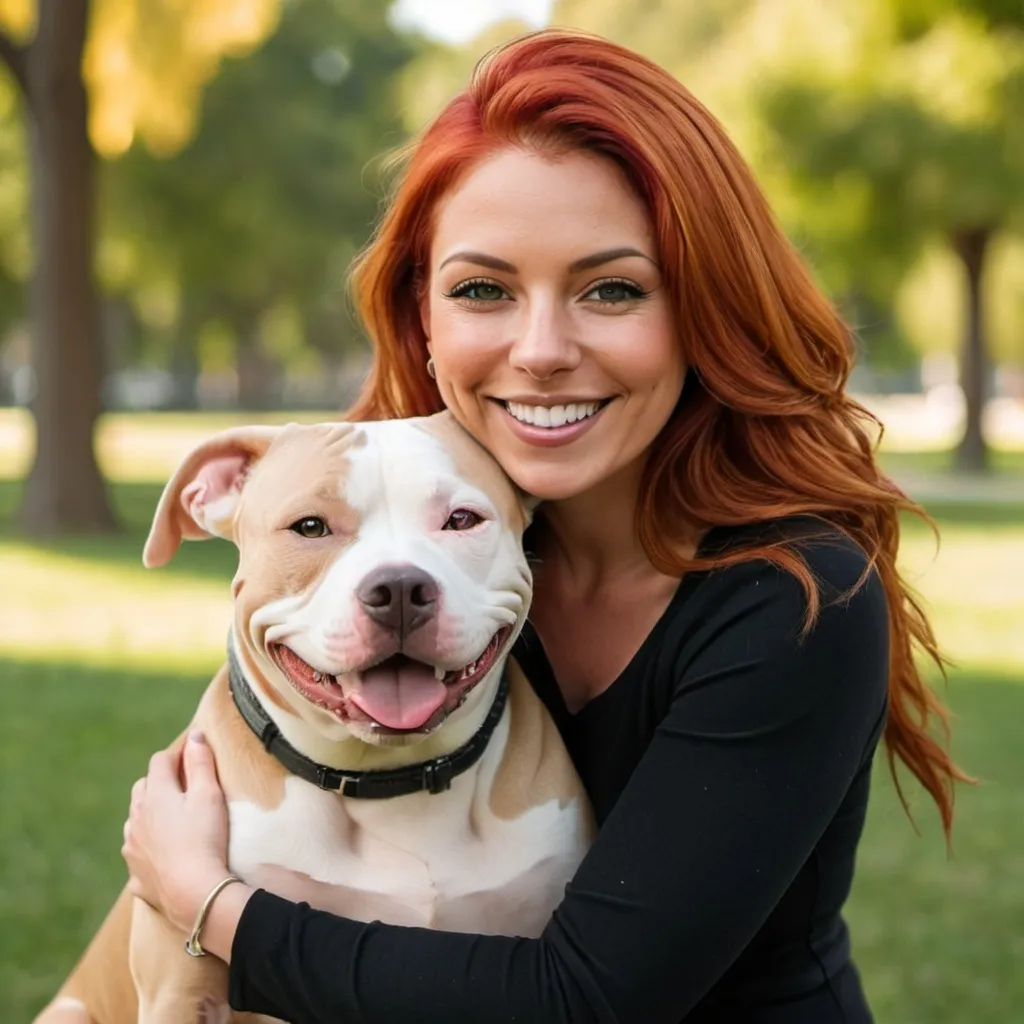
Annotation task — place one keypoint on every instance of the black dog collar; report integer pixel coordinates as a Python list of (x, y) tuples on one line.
[(433, 776)]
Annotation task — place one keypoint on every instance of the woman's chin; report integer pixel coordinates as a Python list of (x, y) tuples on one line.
[(552, 483)]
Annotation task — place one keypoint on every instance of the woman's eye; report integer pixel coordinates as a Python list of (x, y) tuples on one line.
[(478, 291), (463, 519), (310, 527), (616, 291)]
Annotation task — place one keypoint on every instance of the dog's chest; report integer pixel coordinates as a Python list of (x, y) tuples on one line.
[(438, 861)]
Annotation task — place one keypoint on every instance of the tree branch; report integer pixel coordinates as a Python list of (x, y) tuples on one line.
[(16, 59)]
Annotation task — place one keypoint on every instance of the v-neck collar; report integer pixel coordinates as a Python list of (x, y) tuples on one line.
[(534, 659)]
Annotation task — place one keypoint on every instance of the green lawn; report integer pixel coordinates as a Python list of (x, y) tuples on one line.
[(101, 662)]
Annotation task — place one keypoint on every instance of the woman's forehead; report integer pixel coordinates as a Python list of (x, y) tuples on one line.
[(522, 200)]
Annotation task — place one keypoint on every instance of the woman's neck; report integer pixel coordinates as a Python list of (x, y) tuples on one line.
[(592, 536)]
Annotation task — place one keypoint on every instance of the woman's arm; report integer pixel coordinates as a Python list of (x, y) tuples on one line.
[(766, 732)]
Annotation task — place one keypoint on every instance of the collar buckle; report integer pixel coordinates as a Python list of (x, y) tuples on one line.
[(438, 775), (332, 779)]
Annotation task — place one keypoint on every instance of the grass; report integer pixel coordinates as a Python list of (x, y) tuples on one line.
[(101, 662), (1008, 461)]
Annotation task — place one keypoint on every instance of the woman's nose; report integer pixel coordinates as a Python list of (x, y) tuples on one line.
[(545, 346)]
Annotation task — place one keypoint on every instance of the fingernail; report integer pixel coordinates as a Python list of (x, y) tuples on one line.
[(196, 736)]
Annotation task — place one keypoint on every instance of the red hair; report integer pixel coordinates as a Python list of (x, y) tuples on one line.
[(763, 427)]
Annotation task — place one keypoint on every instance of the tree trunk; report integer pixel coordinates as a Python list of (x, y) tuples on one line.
[(185, 370), (65, 491), (258, 374), (972, 454)]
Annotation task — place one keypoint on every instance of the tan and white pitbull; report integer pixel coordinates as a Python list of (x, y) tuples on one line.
[(381, 583)]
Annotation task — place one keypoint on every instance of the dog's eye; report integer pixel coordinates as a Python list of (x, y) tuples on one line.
[(463, 519), (310, 526)]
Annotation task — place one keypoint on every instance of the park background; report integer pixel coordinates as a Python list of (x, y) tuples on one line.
[(182, 186)]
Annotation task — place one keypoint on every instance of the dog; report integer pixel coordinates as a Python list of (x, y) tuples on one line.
[(382, 756)]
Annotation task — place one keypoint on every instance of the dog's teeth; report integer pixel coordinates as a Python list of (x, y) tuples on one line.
[(439, 673)]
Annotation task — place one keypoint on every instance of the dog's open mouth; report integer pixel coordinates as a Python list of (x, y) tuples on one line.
[(397, 695)]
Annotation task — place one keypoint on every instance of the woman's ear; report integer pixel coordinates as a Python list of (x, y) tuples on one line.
[(201, 499)]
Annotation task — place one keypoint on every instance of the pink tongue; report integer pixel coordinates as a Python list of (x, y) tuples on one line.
[(399, 698)]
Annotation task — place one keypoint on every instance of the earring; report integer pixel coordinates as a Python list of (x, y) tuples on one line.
[(431, 372)]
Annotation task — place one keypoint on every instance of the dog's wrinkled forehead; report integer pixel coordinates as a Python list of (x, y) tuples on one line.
[(354, 471), (302, 470), (408, 463)]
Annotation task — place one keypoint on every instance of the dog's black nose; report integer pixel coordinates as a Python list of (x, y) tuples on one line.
[(399, 597)]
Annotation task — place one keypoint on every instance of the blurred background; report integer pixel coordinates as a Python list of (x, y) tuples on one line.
[(182, 186)]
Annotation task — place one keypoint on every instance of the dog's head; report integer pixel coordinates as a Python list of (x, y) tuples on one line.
[(381, 578)]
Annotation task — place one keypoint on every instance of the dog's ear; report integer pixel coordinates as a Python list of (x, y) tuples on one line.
[(201, 499)]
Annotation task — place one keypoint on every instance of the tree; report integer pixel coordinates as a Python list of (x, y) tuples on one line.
[(144, 75), (930, 126), (278, 188)]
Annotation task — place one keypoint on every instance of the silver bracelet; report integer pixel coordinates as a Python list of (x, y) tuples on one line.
[(192, 946)]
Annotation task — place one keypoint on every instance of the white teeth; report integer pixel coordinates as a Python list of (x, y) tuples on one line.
[(439, 673), (552, 416)]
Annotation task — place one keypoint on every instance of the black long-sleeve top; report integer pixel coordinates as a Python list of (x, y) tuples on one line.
[(729, 769)]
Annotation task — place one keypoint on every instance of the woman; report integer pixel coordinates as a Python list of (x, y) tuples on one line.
[(580, 266)]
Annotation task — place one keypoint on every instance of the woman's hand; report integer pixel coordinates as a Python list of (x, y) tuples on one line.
[(176, 838)]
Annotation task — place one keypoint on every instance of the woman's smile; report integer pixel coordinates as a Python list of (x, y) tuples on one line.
[(554, 421)]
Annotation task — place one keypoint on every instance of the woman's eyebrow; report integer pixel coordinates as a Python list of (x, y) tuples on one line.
[(480, 258), (597, 259)]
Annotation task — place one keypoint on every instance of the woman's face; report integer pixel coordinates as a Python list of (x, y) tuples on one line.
[(548, 321)]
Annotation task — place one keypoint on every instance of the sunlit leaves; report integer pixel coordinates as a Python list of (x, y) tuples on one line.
[(18, 19), (147, 61)]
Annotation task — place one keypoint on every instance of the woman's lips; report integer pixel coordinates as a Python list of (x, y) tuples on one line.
[(551, 437)]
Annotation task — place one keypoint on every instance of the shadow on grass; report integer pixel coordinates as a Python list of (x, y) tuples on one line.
[(135, 504), (72, 741)]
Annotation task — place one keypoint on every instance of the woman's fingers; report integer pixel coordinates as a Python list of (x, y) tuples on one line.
[(162, 770), (138, 792), (200, 768)]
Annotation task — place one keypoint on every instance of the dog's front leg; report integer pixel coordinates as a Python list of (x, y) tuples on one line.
[(173, 987)]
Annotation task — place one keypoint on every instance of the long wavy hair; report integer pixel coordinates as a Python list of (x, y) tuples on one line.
[(763, 427)]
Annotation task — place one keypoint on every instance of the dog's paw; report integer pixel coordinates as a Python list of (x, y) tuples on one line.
[(213, 1011)]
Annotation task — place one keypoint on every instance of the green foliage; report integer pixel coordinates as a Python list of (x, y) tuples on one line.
[(932, 165), (276, 191), (439, 72), (915, 136), (678, 36)]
